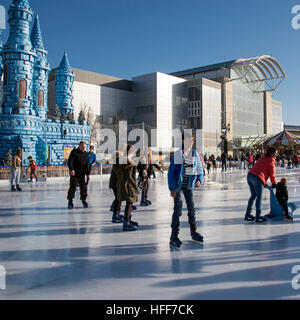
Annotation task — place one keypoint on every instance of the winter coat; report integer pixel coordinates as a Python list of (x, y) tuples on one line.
[(114, 176), (176, 171), (282, 192), (264, 168), (126, 183), (78, 162), (223, 157)]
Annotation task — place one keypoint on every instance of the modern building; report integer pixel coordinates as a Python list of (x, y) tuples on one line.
[(24, 69), (230, 100), (247, 105)]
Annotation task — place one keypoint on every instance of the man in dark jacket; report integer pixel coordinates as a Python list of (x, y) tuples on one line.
[(78, 166), (224, 162)]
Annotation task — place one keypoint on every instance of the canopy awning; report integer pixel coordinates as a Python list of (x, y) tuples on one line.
[(260, 74), (284, 138)]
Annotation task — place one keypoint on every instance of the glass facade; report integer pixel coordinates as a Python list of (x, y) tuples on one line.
[(248, 110), (211, 121), (277, 124)]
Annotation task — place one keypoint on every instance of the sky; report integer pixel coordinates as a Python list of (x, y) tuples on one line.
[(127, 38)]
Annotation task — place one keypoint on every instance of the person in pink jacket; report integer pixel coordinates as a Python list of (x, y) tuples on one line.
[(258, 176)]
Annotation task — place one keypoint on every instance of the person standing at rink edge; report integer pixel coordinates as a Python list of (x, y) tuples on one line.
[(16, 171), (185, 174)]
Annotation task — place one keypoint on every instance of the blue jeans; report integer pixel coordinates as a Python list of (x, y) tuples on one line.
[(256, 188), (188, 195)]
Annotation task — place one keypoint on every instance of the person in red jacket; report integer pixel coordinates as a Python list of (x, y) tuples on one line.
[(257, 181), (33, 167)]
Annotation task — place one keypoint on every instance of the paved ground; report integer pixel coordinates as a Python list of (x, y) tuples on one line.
[(52, 253)]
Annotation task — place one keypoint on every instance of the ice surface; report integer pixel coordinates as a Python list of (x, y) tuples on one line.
[(52, 253)]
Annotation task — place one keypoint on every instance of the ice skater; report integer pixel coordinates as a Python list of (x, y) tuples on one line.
[(79, 169), (127, 189), (145, 171), (113, 185), (282, 197), (92, 160), (33, 168), (257, 181), (15, 172), (185, 173)]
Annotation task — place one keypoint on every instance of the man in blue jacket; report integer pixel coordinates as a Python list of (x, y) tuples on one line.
[(185, 174)]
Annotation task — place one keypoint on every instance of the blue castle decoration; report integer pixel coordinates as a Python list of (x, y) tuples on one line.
[(23, 113)]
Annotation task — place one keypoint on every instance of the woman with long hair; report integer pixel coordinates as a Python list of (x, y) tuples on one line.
[(127, 188)]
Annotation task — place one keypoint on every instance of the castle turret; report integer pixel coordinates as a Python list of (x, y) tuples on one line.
[(18, 60), (41, 71), (64, 77)]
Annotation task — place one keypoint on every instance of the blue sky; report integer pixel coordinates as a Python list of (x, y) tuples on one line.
[(126, 38)]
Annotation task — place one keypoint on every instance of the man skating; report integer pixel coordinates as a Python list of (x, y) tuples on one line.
[(185, 173), (79, 169)]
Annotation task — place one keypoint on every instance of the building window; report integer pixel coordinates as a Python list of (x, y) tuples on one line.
[(41, 98), (22, 89)]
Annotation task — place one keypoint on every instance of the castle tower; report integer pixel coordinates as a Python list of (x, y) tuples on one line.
[(18, 60), (41, 71), (64, 79)]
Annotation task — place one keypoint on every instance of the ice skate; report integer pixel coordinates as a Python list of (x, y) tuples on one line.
[(85, 204), (133, 223), (70, 205), (128, 227), (261, 220), (13, 189), (195, 235), (19, 189), (288, 218), (117, 219), (250, 219), (174, 241), (144, 203)]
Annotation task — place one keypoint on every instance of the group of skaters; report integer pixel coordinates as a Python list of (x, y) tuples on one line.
[(16, 168), (185, 173), (245, 161)]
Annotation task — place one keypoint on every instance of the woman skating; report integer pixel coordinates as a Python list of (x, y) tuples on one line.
[(257, 180), (127, 189)]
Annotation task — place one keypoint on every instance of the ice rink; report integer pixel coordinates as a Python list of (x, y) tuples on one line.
[(50, 252)]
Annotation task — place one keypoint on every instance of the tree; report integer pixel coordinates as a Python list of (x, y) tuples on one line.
[(56, 114), (81, 117), (70, 117), (63, 117), (7, 161)]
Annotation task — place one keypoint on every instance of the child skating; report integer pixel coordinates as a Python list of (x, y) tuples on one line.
[(33, 167)]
